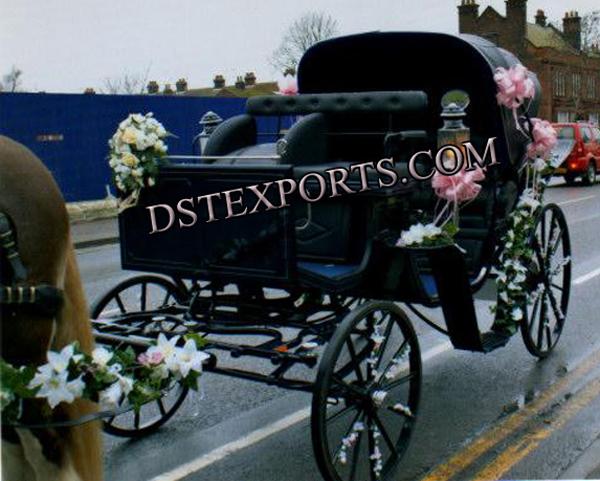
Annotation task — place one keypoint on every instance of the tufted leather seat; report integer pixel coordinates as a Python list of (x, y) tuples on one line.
[(406, 102)]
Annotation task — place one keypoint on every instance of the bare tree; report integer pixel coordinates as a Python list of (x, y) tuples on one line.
[(310, 28), (590, 30), (129, 84), (11, 82)]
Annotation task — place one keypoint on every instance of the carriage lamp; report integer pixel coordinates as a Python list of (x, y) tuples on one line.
[(209, 122), (454, 131)]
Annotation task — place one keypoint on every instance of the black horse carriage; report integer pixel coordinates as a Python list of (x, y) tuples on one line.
[(318, 284)]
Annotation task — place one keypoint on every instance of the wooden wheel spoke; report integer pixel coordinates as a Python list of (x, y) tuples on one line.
[(383, 346), (552, 248), (348, 387), (161, 406), (539, 256), (398, 351), (136, 419), (120, 304), (553, 225), (536, 305), (548, 336), (398, 382), (555, 308), (384, 433), (355, 453), (341, 412), (143, 296), (166, 299), (542, 320), (543, 229), (354, 361), (358, 417), (371, 438)]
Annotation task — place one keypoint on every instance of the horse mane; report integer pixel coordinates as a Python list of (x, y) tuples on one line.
[(32, 200)]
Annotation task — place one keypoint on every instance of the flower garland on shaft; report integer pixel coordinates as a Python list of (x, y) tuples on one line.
[(515, 91), (110, 377)]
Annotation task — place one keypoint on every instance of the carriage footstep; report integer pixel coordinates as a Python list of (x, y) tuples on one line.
[(492, 340)]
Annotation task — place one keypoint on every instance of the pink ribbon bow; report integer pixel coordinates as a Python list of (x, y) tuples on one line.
[(459, 187)]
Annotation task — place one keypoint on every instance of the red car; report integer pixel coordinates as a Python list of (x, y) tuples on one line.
[(577, 153)]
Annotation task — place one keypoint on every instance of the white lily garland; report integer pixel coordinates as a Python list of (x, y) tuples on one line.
[(514, 293), (109, 377), (137, 149)]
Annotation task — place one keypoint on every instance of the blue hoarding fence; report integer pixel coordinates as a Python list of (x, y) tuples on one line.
[(70, 132)]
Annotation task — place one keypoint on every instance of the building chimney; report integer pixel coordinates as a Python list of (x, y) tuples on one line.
[(168, 90), (468, 13), (516, 17), (250, 79), (181, 85), (540, 18), (152, 87), (572, 29), (219, 81), (239, 83)]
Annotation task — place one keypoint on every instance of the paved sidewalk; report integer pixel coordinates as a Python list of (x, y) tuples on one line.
[(95, 232)]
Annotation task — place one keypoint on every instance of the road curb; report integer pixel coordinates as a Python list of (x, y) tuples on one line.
[(84, 244), (91, 210)]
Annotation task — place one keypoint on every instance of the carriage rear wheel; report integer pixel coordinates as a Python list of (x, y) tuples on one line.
[(137, 306), (366, 394), (549, 281)]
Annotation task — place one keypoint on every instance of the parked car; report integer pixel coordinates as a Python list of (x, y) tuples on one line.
[(577, 153)]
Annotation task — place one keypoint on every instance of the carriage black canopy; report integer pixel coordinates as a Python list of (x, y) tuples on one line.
[(432, 62)]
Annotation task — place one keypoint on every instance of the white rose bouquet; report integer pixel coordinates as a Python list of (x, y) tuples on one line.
[(137, 149)]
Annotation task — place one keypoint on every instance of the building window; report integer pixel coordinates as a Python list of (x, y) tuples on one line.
[(594, 119), (591, 87), (560, 84), (562, 117), (576, 84)]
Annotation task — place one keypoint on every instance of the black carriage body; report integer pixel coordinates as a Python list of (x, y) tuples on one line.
[(363, 98), (355, 92), (253, 247)]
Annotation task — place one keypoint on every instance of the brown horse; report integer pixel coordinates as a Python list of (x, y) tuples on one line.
[(30, 197)]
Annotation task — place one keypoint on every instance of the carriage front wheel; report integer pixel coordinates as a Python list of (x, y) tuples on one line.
[(134, 307), (549, 282), (366, 394)]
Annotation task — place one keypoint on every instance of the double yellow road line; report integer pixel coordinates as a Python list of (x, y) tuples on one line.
[(531, 437)]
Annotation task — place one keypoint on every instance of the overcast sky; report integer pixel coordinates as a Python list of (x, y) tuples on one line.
[(67, 45)]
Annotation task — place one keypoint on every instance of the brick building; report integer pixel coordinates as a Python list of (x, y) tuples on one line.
[(570, 78)]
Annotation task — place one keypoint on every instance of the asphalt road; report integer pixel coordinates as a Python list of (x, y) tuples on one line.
[(503, 415)]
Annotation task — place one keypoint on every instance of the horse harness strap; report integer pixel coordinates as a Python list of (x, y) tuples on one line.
[(43, 298)]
